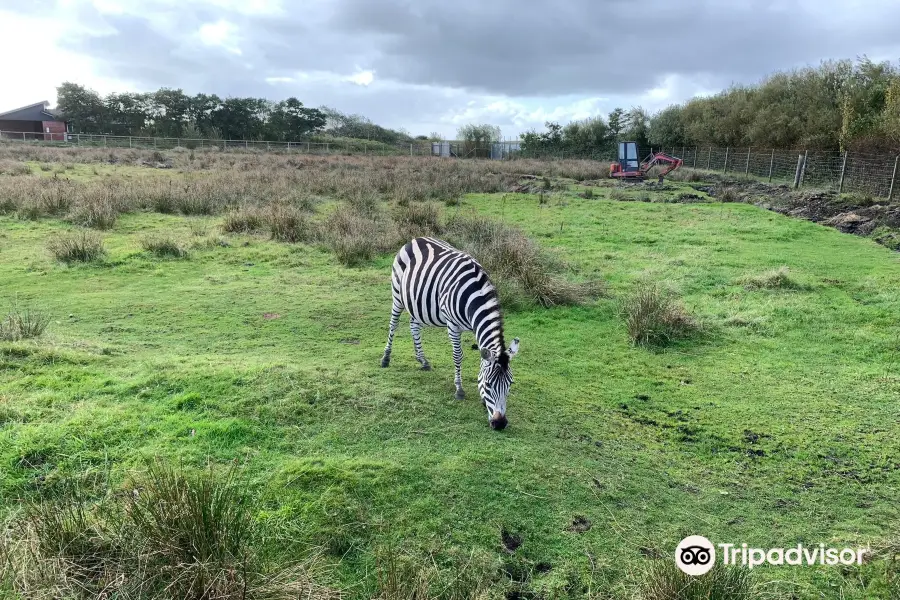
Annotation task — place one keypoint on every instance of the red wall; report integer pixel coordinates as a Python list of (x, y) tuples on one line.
[(57, 130)]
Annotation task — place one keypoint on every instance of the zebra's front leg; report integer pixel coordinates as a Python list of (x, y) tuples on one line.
[(395, 318), (416, 329), (454, 334)]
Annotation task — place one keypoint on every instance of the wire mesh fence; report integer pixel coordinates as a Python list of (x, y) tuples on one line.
[(870, 174), (338, 146)]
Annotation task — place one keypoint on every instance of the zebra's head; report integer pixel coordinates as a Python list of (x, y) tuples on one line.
[(494, 381)]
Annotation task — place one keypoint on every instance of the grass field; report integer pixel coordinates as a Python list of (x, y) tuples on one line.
[(774, 424)]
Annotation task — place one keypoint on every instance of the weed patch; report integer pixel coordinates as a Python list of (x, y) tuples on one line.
[(164, 246), (23, 324), (655, 316), (79, 246)]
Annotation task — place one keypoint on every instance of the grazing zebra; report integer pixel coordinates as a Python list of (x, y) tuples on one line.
[(444, 287)]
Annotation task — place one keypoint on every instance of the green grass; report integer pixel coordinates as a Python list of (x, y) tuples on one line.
[(268, 353)]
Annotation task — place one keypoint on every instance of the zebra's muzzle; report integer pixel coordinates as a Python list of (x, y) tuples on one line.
[(498, 421)]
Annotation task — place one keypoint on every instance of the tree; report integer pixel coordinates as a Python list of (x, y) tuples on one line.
[(477, 139), (291, 121), (637, 127), (617, 123), (82, 106), (667, 129)]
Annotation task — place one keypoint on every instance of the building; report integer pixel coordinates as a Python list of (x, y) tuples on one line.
[(34, 122)]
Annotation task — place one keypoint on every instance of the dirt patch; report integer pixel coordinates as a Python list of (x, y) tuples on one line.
[(580, 524), (511, 541), (269, 316)]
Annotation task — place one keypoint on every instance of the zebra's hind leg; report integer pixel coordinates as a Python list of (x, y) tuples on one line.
[(416, 329), (454, 334), (395, 318)]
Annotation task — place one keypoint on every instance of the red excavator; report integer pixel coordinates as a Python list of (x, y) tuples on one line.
[(628, 167)]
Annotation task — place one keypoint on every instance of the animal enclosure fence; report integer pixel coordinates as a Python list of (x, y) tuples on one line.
[(871, 174), (337, 146)]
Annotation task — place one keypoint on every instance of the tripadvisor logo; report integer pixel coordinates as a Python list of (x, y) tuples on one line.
[(696, 555)]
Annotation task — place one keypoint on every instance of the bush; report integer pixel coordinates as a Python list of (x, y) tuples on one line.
[(164, 246), (79, 246), (23, 324), (655, 316), (724, 193)]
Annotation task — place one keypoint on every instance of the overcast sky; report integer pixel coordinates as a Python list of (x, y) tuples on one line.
[(432, 65)]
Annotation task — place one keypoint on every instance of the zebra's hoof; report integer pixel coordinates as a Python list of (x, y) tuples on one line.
[(460, 395), (426, 367), (385, 362)]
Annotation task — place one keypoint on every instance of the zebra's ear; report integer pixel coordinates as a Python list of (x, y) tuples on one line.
[(486, 354), (513, 348)]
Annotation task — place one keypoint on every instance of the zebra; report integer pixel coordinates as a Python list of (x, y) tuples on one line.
[(442, 286)]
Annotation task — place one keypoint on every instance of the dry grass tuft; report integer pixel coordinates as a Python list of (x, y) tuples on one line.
[(770, 280), (663, 580), (172, 534), (22, 324), (522, 271), (245, 219), (655, 316), (164, 246), (287, 223), (78, 246)]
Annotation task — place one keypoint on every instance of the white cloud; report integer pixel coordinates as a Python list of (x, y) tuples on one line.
[(363, 78), (23, 83), (222, 34)]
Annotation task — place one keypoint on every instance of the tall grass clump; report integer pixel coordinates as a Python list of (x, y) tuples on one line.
[(357, 237), (172, 533), (523, 272), (98, 212), (655, 316), (246, 219), (78, 246), (663, 580), (22, 324), (779, 278), (288, 223), (416, 219), (164, 246)]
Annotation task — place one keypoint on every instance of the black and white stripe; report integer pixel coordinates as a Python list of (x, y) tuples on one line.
[(442, 286)]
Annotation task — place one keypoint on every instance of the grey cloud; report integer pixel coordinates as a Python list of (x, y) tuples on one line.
[(508, 48)]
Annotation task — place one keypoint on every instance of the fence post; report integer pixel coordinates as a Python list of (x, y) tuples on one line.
[(893, 178), (709, 158), (410, 149), (803, 170), (747, 170), (682, 153), (725, 168), (843, 170), (104, 141), (797, 172), (23, 136), (696, 149), (771, 164)]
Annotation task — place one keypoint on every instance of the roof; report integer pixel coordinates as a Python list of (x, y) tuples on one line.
[(39, 111)]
